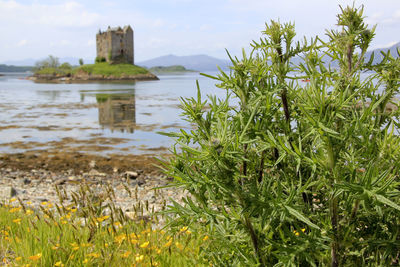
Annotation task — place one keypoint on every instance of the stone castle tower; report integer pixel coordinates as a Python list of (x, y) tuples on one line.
[(116, 45)]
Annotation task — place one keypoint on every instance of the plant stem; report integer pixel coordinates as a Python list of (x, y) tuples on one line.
[(260, 172), (255, 241), (334, 222)]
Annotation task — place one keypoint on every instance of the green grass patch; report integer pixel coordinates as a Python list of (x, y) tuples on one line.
[(78, 231), (174, 68), (53, 71), (116, 70)]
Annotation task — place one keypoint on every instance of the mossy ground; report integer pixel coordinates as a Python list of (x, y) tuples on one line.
[(103, 68), (116, 70)]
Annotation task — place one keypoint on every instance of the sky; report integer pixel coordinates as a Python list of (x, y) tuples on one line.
[(67, 28)]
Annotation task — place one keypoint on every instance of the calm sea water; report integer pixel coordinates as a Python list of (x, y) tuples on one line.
[(124, 116), (95, 117)]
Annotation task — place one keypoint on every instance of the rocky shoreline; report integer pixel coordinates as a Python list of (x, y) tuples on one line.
[(133, 187)]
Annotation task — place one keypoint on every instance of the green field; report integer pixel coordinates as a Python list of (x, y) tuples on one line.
[(103, 68), (106, 69)]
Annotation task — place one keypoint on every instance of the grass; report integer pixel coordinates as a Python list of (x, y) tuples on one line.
[(103, 68), (86, 231), (174, 68), (53, 71), (116, 70)]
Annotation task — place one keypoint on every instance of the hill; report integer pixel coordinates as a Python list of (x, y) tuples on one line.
[(377, 52), (169, 69), (195, 62), (10, 68)]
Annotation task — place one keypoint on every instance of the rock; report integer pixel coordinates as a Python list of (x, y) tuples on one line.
[(92, 164), (8, 192), (140, 181), (131, 175), (61, 182), (94, 172)]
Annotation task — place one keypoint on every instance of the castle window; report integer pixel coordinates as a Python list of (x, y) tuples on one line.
[(122, 51)]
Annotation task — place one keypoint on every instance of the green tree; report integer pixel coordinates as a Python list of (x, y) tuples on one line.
[(81, 61), (49, 62), (296, 174)]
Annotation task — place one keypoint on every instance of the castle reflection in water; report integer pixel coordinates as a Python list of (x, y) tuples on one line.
[(117, 112)]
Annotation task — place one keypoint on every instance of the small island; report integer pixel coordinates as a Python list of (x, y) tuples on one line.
[(170, 69), (114, 62), (101, 71)]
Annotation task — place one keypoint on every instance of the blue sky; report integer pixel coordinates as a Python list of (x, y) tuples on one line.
[(35, 29)]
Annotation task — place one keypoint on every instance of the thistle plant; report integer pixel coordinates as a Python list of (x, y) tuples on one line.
[(303, 170)]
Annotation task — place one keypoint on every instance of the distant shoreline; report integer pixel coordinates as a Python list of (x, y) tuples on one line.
[(46, 78)]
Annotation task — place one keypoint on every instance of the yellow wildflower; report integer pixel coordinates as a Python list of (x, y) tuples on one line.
[(205, 238), (139, 258), (303, 230), (179, 245), (106, 245), (29, 212), (188, 232), (73, 210), (183, 229), (44, 203), (94, 255), (296, 233), (14, 210), (100, 219), (13, 199), (35, 257), (18, 258), (133, 236), (145, 244), (58, 263), (29, 202), (85, 261), (126, 254), (18, 221), (75, 248), (168, 243)]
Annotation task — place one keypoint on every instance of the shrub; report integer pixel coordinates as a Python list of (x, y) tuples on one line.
[(100, 59), (50, 62), (65, 66), (296, 173)]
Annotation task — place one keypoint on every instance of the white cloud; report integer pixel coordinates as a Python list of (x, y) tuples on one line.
[(22, 43), (68, 14)]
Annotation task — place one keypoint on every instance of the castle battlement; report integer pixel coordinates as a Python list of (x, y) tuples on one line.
[(116, 45)]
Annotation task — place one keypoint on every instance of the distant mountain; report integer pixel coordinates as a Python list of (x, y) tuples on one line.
[(8, 68), (31, 62), (377, 52), (196, 62)]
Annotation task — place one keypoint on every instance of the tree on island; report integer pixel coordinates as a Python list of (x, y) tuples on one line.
[(49, 62)]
